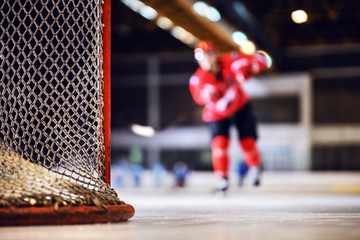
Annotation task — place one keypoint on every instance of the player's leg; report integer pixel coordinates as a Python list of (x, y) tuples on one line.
[(246, 125), (252, 158), (219, 152)]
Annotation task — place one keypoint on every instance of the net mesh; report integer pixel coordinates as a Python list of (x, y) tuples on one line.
[(51, 143)]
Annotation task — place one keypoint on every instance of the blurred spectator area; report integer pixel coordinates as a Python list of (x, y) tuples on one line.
[(307, 120)]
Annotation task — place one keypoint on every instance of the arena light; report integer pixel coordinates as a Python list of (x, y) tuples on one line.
[(239, 37), (164, 23), (135, 5), (178, 32), (213, 14), (139, 7), (200, 8), (207, 11), (183, 35), (299, 16), (148, 12), (190, 40), (248, 47)]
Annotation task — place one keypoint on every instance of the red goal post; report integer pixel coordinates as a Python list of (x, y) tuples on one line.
[(106, 20)]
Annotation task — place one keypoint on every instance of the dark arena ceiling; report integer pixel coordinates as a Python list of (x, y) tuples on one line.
[(330, 37)]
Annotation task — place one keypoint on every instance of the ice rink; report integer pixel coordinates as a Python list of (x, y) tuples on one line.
[(287, 206)]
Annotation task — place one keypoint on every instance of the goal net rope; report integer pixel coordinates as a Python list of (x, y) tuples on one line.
[(51, 81), (27, 184)]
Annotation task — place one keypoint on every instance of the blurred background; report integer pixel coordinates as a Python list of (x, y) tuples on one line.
[(306, 104)]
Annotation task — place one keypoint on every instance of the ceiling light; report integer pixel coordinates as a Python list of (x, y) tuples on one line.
[(200, 8), (239, 37), (164, 23), (183, 35), (190, 40), (213, 14), (135, 5), (178, 32), (299, 16), (207, 11), (148, 12), (248, 47)]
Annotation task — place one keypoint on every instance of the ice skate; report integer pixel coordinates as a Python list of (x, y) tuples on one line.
[(222, 186), (255, 173)]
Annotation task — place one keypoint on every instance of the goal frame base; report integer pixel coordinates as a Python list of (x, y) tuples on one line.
[(65, 215)]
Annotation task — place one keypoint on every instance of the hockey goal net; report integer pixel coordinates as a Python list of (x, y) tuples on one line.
[(54, 133)]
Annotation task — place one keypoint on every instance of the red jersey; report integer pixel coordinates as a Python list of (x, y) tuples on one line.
[(223, 95)]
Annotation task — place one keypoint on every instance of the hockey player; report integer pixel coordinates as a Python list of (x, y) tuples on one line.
[(217, 85)]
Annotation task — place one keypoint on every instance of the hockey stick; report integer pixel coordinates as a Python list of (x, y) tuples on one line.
[(149, 131)]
